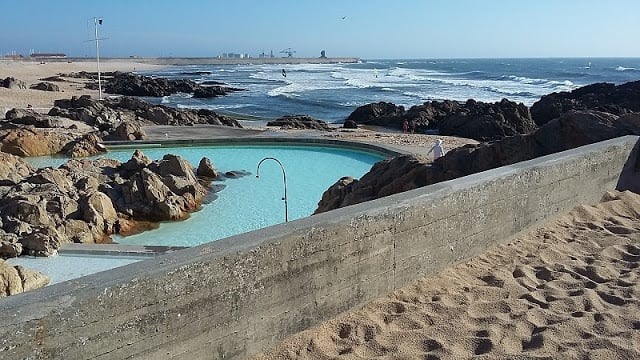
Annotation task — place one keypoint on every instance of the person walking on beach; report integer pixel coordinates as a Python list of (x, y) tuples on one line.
[(437, 149), (405, 127)]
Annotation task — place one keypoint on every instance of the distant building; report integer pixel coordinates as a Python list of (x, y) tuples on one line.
[(48, 55), (234, 56)]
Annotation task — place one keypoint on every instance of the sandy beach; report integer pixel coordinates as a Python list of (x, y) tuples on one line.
[(567, 290), (32, 71)]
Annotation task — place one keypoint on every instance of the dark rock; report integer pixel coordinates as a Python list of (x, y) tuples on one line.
[(13, 83), (386, 177), (403, 173), (108, 114), (350, 124), (139, 85), (31, 117), (482, 121), (379, 114), (210, 92), (199, 72), (211, 82), (299, 122), (45, 86), (474, 120), (605, 97), (55, 78)]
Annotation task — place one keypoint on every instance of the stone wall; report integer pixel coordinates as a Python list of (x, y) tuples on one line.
[(233, 297)]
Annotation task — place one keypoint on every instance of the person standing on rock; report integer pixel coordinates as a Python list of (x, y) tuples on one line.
[(437, 149)]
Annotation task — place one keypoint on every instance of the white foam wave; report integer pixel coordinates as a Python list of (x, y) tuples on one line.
[(622, 68)]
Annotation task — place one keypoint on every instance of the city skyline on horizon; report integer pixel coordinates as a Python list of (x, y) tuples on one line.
[(375, 29)]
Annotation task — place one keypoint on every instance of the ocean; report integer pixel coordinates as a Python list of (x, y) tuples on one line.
[(330, 92)]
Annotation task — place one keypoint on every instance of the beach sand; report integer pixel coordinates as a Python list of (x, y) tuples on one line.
[(31, 71), (567, 290)]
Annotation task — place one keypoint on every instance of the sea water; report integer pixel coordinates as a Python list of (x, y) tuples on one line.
[(331, 92)]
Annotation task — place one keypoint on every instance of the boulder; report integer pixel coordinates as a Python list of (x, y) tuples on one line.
[(88, 145), (605, 97), (13, 83), (30, 117), (386, 177), (350, 124), (13, 169), (45, 86), (299, 122), (482, 121), (207, 92), (379, 114), (206, 169), (128, 131), (17, 279), (29, 142)]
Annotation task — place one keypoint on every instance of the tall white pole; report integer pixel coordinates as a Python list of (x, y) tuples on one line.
[(95, 23)]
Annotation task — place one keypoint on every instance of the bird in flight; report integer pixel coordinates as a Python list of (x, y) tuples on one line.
[(344, 17)]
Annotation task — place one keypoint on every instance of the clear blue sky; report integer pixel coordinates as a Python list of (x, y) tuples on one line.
[(372, 29)]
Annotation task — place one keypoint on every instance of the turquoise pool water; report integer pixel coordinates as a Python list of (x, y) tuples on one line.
[(61, 267), (249, 203)]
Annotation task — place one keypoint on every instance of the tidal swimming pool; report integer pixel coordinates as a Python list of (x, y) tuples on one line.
[(248, 203)]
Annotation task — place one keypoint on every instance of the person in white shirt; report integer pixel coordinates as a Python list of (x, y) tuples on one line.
[(437, 149)]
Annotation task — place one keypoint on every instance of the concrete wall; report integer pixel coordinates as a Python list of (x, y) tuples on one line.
[(233, 297)]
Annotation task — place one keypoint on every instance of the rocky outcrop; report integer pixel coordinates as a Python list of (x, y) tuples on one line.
[(45, 86), (108, 114), (88, 200), (378, 114), (618, 100), (31, 142), (87, 145), (472, 119), (13, 83), (139, 85), (31, 117), (17, 279), (483, 121), (299, 122), (403, 173)]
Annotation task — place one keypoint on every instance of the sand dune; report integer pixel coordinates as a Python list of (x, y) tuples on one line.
[(568, 290)]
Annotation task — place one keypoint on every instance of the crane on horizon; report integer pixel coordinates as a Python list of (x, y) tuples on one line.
[(288, 51)]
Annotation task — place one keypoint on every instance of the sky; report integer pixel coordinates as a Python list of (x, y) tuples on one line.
[(368, 29)]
